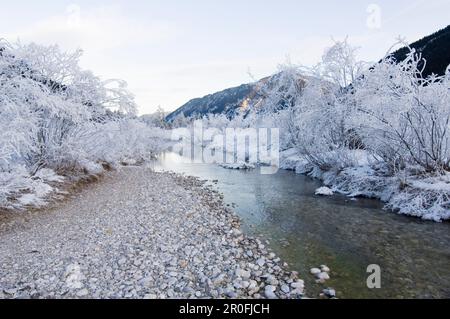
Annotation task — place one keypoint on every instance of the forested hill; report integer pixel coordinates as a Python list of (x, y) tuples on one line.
[(435, 49), (224, 102)]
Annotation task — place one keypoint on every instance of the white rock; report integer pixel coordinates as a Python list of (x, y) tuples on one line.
[(269, 292), (219, 279), (315, 271), (297, 292), (243, 273), (74, 276), (300, 284), (237, 232), (329, 292), (230, 293), (273, 281), (253, 284), (126, 262), (323, 276), (285, 289), (324, 268), (324, 191), (261, 262), (10, 291), (82, 293)]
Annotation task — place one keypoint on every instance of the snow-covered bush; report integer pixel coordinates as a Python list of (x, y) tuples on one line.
[(55, 117), (428, 198), (380, 130), (319, 124), (403, 117)]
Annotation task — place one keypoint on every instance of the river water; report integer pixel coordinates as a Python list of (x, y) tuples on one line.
[(307, 231)]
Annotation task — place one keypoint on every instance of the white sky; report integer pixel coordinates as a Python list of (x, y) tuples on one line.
[(172, 51)]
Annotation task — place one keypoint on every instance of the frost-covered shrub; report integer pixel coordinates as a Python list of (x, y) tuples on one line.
[(116, 141), (403, 117), (365, 130), (378, 131), (56, 117), (319, 124)]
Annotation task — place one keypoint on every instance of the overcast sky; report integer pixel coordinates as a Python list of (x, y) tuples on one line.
[(170, 51)]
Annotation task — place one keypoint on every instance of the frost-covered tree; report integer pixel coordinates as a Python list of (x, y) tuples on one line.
[(56, 117), (340, 64), (404, 117)]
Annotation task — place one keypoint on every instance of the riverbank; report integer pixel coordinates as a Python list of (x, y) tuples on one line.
[(138, 234), (411, 192), (347, 235)]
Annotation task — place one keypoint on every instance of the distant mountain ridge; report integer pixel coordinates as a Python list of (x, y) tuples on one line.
[(227, 102), (435, 49)]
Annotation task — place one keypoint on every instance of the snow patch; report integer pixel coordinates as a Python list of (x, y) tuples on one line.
[(324, 191)]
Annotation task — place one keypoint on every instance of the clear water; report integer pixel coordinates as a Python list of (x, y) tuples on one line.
[(307, 231)]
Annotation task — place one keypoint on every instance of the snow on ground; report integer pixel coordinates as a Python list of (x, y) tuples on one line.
[(290, 160), (73, 127)]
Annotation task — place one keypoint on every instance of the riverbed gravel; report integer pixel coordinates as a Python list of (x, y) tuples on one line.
[(139, 234)]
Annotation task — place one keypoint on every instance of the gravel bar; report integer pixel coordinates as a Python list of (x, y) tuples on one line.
[(138, 234)]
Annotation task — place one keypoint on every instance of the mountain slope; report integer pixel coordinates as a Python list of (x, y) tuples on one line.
[(245, 97), (224, 102)]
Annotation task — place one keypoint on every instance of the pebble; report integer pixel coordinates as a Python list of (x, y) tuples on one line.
[(315, 271), (139, 234), (252, 284), (269, 292), (298, 284), (245, 284), (243, 273), (285, 289), (82, 293), (323, 276), (10, 291), (324, 268), (329, 292), (261, 262)]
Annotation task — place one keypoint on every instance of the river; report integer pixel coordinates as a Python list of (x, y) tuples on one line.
[(347, 235)]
